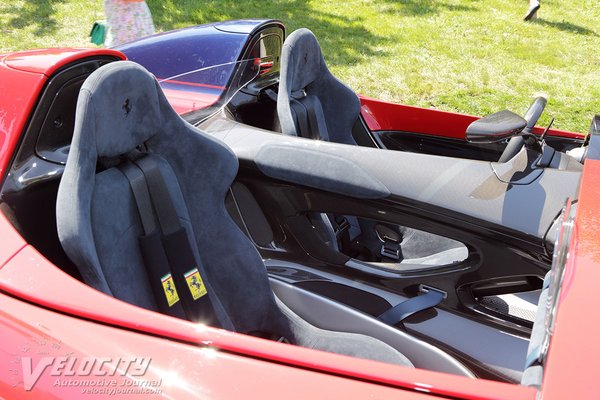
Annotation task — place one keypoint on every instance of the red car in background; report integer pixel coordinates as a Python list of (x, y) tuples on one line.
[(518, 232)]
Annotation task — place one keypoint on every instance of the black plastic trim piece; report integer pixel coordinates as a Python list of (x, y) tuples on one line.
[(362, 135)]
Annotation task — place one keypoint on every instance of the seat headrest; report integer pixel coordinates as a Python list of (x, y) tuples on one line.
[(304, 55), (119, 105)]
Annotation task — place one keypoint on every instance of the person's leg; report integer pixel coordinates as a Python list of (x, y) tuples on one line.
[(534, 6), (109, 16), (127, 20), (118, 19), (144, 25)]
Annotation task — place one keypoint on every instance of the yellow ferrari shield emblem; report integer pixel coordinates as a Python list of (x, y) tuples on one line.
[(169, 288), (194, 282)]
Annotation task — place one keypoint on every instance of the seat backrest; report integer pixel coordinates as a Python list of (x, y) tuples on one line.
[(120, 108), (305, 79)]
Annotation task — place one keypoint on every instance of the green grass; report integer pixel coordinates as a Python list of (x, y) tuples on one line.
[(473, 56)]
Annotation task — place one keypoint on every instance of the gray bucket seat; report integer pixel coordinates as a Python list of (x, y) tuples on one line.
[(120, 108), (313, 103)]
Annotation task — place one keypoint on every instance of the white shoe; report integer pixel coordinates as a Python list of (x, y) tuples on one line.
[(532, 12)]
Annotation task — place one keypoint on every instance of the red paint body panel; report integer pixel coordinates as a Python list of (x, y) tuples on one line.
[(571, 368), (181, 371), (384, 116), (48, 61), (11, 242), (20, 91), (31, 277)]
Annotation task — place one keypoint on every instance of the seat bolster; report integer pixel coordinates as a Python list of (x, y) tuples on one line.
[(349, 344), (131, 99), (340, 104), (324, 313), (74, 198), (116, 228)]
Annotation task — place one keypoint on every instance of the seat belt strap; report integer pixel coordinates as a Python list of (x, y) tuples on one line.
[(342, 232), (166, 212), (178, 248), (302, 118), (431, 297), (316, 132), (163, 287), (137, 182)]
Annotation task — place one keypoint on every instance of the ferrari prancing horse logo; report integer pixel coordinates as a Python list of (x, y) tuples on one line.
[(195, 284), (169, 288)]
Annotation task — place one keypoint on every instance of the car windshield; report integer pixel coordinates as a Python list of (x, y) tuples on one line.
[(199, 93)]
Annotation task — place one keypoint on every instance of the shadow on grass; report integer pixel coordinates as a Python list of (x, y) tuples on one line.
[(425, 7), (345, 41), (39, 13), (565, 26)]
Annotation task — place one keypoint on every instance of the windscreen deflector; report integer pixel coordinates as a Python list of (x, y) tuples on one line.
[(202, 92)]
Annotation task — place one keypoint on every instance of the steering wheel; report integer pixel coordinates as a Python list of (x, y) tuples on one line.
[(516, 143)]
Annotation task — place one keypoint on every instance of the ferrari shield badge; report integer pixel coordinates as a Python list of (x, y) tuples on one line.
[(194, 282), (169, 288)]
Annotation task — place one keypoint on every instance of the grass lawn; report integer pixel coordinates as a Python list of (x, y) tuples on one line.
[(473, 56)]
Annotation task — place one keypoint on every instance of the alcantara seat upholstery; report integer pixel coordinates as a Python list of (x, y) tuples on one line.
[(120, 108), (313, 103), (305, 79)]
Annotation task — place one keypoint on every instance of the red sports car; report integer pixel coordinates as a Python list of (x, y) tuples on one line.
[(210, 213)]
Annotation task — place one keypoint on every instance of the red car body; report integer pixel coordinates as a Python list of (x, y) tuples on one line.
[(46, 312)]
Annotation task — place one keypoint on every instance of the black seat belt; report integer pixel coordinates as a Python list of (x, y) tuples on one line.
[(341, 228), (431, 297), (311, 110), (173, 240), (163, 287), (302, 118), (176, 245), (308, 125)]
